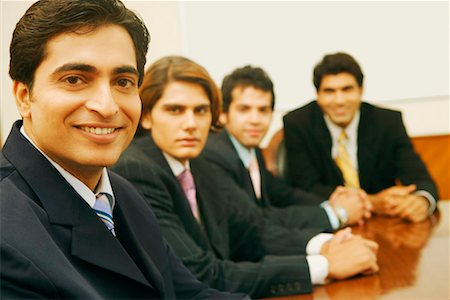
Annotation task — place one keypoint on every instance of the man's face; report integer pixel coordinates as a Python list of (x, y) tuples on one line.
[(180, 120), (249, 115), (84, 105), (339, 96)]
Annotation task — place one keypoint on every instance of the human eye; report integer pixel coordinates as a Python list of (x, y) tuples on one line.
[(202, 109), (265, 109), (349, 88), (126, 83), (242, 108), (328, 91), (73, 80), (174, 109)]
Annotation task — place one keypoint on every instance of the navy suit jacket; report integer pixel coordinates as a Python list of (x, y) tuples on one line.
[(53, 245), (233, 248), (278, 199), (385, 152)]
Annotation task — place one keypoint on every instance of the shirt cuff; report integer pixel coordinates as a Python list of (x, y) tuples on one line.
[(318, 268), (430, 199), (315, 244), (334, 221)]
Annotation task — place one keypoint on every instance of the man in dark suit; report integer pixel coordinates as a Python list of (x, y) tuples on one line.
[(225, 241), (248, 102), (339, 139), (70, 228)]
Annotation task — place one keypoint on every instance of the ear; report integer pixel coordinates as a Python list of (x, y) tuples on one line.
[(223, 118), (146, 121), (23, 98)]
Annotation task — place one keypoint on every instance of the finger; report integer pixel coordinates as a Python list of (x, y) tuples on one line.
[(373, 246), (341, 236)]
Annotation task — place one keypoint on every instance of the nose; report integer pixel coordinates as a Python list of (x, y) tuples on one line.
[(102, 101), (255, 116), (190, 122), (339, 97)]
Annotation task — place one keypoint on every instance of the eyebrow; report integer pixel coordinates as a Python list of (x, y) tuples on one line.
[(92, 69)]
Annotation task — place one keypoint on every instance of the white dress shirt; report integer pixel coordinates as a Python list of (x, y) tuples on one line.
[(104, 185)]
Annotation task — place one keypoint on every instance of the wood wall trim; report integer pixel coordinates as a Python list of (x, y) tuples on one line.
[(435, 153)]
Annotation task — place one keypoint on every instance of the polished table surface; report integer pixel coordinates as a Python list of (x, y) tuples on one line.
[(413, 260)]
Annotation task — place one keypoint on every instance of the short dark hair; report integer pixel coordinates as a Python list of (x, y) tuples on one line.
[(247, 76), (177, 69), (48, 18), (337, 63)]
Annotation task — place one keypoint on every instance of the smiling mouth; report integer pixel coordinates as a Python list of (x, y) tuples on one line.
[(98, 130)]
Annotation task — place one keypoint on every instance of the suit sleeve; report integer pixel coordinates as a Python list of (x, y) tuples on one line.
[(306, 220), (14, 268), (183, 278), (410, 168), (304, 161), (270, 276)]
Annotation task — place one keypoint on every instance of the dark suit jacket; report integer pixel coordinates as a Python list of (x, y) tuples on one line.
[(53, 245), (230, 249), (385, 152), (275, 193)]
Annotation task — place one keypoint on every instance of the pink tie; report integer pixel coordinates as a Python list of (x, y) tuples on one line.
[(187, 183), (255, 176)]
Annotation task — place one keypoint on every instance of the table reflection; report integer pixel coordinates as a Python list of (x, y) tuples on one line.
[(413, 260)]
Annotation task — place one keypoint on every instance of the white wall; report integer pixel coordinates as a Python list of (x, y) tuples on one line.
[(403, 47)]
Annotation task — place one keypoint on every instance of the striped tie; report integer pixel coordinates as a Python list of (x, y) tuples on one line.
[(187, 183), (103, 209), (343, 161)]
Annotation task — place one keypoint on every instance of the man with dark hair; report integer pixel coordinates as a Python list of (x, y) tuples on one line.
[(224, 239), (69, 227), (338, 139), (248, 102)]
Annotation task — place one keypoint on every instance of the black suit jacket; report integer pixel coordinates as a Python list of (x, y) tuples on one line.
[(233, 248), (385, 152), (275, 193), (53, 245)]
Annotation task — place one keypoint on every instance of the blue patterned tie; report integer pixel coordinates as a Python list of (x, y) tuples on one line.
[(103, 209)]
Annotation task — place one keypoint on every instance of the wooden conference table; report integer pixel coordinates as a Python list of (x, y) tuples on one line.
[(413, 260)]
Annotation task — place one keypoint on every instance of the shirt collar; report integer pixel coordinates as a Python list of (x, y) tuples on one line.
[(176, 166), (104, 185), (243, 152), (351, 129)]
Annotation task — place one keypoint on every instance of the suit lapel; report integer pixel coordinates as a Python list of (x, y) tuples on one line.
[(322, 136), (367, 145), (91, 240), (243, 174), (213, 217), (263, 173), (138, 237)]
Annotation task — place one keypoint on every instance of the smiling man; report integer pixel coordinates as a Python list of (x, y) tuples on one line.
[(340, 140), (70, 228)]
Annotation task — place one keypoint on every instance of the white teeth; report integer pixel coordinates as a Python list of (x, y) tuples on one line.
[(98, 130)]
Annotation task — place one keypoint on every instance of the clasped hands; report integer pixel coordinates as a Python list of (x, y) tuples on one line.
[(402, 202), (349, 255), (355, 202), (398, 201)]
